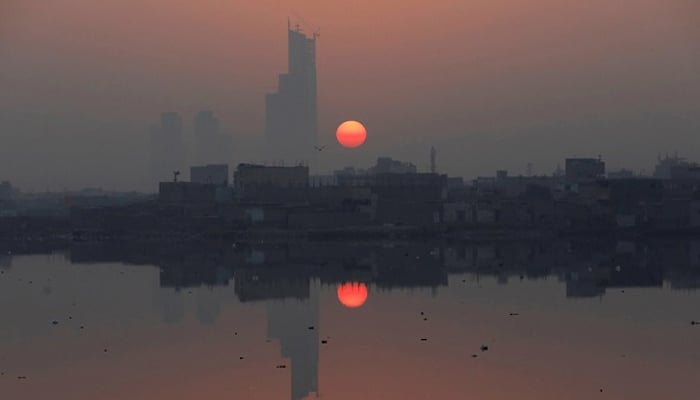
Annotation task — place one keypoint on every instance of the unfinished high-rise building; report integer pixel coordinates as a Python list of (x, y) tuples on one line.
[(291, 115)]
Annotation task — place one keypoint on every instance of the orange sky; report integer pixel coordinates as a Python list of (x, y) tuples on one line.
[(593, 75)]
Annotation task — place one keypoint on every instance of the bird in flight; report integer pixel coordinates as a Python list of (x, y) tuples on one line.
[(319, 148)]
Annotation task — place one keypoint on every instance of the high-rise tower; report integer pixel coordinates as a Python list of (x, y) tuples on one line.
[(291, 115)]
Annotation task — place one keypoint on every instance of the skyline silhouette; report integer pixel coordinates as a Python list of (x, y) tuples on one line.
[(360, 199), (566, 80)]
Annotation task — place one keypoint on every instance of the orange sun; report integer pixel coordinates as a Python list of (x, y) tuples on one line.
[(352, 294), (351, 134)]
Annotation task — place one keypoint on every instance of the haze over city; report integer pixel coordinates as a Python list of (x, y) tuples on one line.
[(490, 84)]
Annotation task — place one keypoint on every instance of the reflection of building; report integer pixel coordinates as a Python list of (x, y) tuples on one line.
[(271, 284), (5, 261), (295, 325), (291, 113), (171, 305), (167, 148)]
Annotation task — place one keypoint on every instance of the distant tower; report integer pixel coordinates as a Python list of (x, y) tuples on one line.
[(291, 116), (528, 170), (433, 160)]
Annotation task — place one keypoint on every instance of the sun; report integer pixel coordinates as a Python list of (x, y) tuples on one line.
[(351, 134), (352, 294)]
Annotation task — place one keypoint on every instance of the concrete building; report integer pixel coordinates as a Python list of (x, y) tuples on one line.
[(581, 169), (212, 174), (685, 172), (250, 176), (291, 116), (179, 193), (621, 174), (387, 165), (665, 165)]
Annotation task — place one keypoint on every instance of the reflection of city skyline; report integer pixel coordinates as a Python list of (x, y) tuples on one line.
[(287, 278), (280, 271)]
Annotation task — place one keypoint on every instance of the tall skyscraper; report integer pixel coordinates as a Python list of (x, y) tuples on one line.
[(291, 118), (167, 147)]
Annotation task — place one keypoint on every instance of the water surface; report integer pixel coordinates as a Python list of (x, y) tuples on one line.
[(221, 321)]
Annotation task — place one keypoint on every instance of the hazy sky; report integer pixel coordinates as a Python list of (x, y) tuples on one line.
[(491, 83)]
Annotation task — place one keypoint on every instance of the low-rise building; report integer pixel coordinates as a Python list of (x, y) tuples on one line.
[(582, 169), (251, 176)]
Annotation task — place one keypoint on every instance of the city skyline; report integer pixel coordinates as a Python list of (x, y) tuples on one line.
[(568, 81), (374, 199)]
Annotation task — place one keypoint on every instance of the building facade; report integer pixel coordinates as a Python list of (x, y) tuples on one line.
[(291, 116), (251, 176)]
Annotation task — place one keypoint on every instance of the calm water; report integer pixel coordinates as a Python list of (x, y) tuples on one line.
[(562, 320)]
